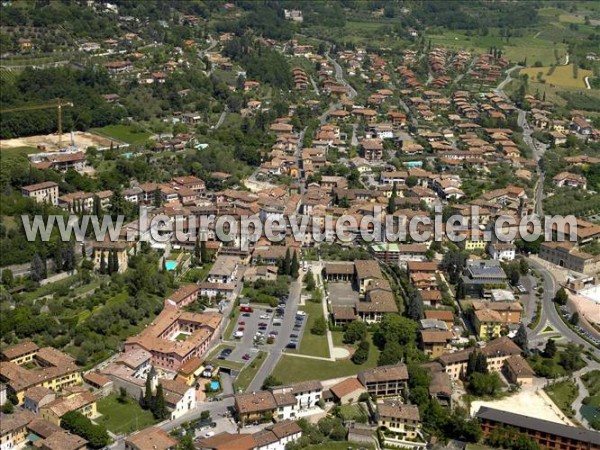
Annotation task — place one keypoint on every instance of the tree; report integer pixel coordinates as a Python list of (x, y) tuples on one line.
[(391, 354), (355, 331), (148, 390), (102, 264), (477, 363), (97, 207), (415, 305), (122, 395), (550, 349), (8, 408), (523, 266), (38, 269), (485, 384), (80, 425), (295, 266), (411, 181), (270, 382), (110, 264), (574, 320), (159, 409), (521, 338), (204, 252), (287, 263), (395, 328), (319, 327), (157, 198), (309, 281), (186, 442), (392, 200), (561, 297), (361, 354), (7, 277), (460, 289)]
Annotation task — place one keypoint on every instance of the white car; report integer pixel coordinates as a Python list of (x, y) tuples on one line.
[(238, 334), (209, 434), (300, 313), (265, 316)]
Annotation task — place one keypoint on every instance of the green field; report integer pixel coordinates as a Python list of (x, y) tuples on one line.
[(562, 76), (16, 151), (123, 133), (123, 417), (292, 369), (563, 394), (249, 372), (339, 446), (312, 344)]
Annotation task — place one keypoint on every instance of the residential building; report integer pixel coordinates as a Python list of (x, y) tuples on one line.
[(176, 336), (20, 353), (567, 255), (482, 274), (401, 422), (152, 438), (365, 272), (568, 179), (102, 251), (502, 251), (54, 370), (224, 269), (13, 429), (80, 401), (518, 371), (264, 405), (385, 381), (38, 396), (435, 342), (347, 391), (46, 192), (496, 351), (549, 435), (180, 397), (307, 393), (183, 296)]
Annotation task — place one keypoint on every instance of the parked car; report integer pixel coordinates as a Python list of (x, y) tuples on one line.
[(247, 309), (246, 357)]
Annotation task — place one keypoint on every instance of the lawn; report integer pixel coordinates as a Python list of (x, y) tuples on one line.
[(354, 412), (235, 314), (249, 372), (313, 344), (562, 76), (563, 394), (292, 369), (124, 133), (123, 417), (592, 383), (16, 151)]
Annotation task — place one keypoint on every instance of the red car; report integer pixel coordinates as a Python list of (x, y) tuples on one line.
[(246, 357), (241, 322), (262, 324), (246, 309)]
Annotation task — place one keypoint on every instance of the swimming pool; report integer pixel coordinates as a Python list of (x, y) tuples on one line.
[(214, 385), (171, 265)]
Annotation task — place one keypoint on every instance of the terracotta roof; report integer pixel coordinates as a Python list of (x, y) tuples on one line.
[(384, 373), (396, 410), (152, 438), (21, 349), (346, 387)]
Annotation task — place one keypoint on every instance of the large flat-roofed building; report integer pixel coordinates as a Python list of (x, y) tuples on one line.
[(480, 274), (176, 336), (549, 435), (385, 381)]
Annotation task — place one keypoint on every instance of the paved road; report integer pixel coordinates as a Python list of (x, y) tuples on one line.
[(339, 76)]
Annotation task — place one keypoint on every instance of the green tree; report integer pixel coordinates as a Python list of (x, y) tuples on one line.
[(7, 277), (460, 289), (38, 269), (148, 397), (270, 382), (361, 355), (295, 266), (157, 198), (309, 281), (319, 327), (355, 331), (550, 349), (159, 408), (204, 252), (485, 384), (574, 320), (561, 297), (392, 200), (287, 262), (391, 354), (521, 338)]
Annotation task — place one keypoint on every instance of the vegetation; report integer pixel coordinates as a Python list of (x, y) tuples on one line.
[(563, 394), (77, 423), (120, 416)]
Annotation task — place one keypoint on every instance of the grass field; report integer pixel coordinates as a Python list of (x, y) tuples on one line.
[(291, 369), (123, 417), (124, 133), (354, 412), (249, 372), (313, 344), (16, 151), (592, 383), (563, 394), (339, 446), (562, 76)]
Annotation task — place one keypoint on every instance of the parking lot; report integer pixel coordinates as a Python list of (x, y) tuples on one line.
[(342, 294)]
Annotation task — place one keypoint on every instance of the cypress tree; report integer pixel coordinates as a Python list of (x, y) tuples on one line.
[(392, 201), (203, 252), (287, 263), (148, 391), (160, 409), (197, 252), (295, 266), (102, 264)]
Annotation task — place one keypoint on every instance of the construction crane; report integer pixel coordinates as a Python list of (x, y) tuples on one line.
[(59, 105)]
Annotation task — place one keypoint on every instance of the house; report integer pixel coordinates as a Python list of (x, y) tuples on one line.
[(272, 437), (385, 381), (180, 397), (152, 438), (347, 391), (365, 272), (372, 149), (496, 351), (502, 251), (46, 192), (567, 179), (582, 126), (548, 435), (435, 342), (401, 422), (102, 251), (192, 118), (13, 429), (307, 393), (20, 353), (446, 316), (183, 296), (264, 405), (224, 269), (38, 396), (518, 371), (268, 273), (80, 401), (568, 255), (488, 323)]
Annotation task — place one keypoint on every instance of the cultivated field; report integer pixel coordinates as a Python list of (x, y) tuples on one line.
[(562, 76)]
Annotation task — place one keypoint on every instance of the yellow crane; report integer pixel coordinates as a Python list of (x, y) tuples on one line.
[(59, 105)]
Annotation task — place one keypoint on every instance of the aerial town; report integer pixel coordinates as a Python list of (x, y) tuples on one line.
[(285, 225)]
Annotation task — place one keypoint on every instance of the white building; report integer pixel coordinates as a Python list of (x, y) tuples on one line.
[(502, 251)]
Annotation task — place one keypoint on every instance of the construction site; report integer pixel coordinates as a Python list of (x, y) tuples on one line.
[(50, 142)]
